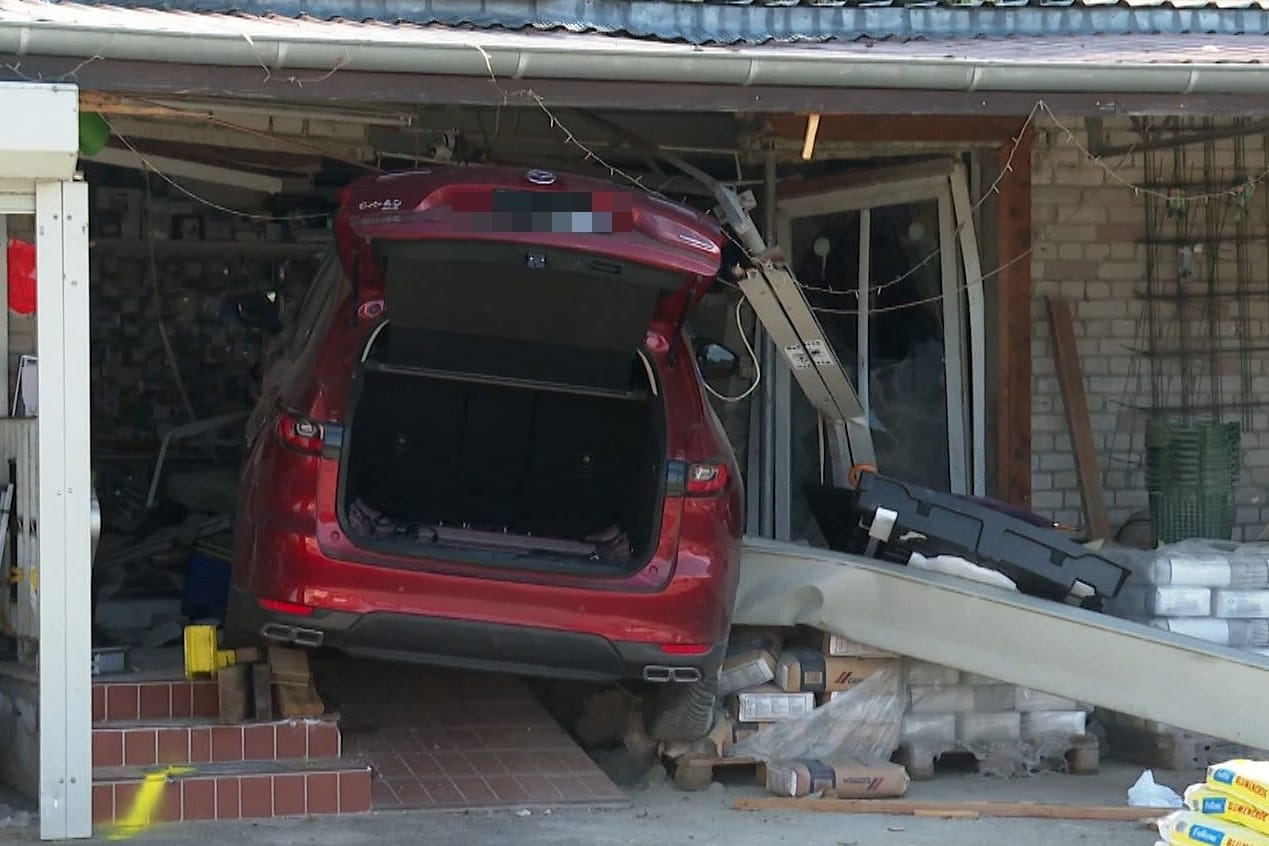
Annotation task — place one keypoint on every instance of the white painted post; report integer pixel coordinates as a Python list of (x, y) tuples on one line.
[(64, 532)]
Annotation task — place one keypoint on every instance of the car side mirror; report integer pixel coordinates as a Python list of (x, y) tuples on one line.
[(715, 360), (259, 310)]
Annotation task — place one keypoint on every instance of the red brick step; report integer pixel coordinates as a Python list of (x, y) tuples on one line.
[(157, 699), (199, 741), (246, 790)]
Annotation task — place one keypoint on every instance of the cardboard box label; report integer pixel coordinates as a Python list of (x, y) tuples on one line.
[(808, 670)]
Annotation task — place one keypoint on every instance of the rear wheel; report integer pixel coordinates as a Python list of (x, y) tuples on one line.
[(680, 712)]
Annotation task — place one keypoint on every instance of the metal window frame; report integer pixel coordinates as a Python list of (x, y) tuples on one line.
[(944, 182)]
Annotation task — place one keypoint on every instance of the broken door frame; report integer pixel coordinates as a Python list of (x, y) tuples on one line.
[(942, 181), (37, 177)]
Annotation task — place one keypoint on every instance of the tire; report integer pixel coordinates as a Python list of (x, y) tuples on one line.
[(680, 712)]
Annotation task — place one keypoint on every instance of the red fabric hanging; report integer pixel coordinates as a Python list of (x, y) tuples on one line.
[(21, 277)]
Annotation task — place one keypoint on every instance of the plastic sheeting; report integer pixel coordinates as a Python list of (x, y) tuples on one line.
[(863, 723)]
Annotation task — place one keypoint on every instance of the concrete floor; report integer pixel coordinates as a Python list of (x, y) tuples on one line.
[(663, 815)]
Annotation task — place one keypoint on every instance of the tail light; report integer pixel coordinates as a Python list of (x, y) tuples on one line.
[(300, 433), (697, 479), (293, 608), (685, 648)]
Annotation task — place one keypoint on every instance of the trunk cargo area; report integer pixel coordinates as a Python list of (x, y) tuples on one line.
[(519, 461)]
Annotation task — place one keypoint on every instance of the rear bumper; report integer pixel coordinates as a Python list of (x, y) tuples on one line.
[(467, 644)]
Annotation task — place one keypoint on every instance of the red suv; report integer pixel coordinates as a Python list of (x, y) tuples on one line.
[(483, 441)]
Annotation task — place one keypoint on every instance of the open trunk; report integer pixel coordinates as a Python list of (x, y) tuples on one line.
[(507, 414)]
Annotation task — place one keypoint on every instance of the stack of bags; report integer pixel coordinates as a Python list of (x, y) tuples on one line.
[(1231, 807), (804, 694), (822, 712), (1005, 726), (773, 675), (1216, 591), (1211, 590)]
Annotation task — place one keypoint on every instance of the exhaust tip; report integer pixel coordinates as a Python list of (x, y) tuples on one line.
[(661, 675), (657, 674), (282, 633)]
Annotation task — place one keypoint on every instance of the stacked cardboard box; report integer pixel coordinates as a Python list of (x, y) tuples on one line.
[(772, 675), (1211, 590)]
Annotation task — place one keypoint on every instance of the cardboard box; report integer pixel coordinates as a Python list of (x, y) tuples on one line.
[(748, 669), (769, 704), (843, 779), (837, 646), (808, 670)]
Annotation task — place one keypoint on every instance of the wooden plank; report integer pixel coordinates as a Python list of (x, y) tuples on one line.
[(231, 683), (951, 129), (956, 810), (247, 655), (289, 666), (298, 702), (262, 690), (1012, 288), (1071, 383)]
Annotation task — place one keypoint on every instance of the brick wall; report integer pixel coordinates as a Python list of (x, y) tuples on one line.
[(1087, 226)]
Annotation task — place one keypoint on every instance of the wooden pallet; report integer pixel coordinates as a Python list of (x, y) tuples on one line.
[(1082, 758), (698, 773)]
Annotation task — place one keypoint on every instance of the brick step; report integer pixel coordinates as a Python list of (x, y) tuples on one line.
[(252, 790), (155, 699), (198, 741)]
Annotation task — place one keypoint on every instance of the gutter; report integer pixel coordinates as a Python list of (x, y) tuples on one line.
[(303, 50)]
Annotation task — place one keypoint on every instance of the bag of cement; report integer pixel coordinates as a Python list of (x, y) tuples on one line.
[(1188, 828), (769, 703), (861, 724), (929, 731), (1197, 563), (1164, 601), (1241, 604), (1211, 802), (843, 779), (746, 669), (1242, 634), (1246, 780)]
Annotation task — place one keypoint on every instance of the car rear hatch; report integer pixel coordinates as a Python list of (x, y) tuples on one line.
[(508, 407)]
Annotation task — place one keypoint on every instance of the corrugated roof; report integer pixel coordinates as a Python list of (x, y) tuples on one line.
[(766, 21), (493, 47)]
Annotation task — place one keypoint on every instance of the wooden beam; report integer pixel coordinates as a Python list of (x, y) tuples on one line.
[(956, 810), (207, 134), (1013, 324), (900, 128), (1071, 383)]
